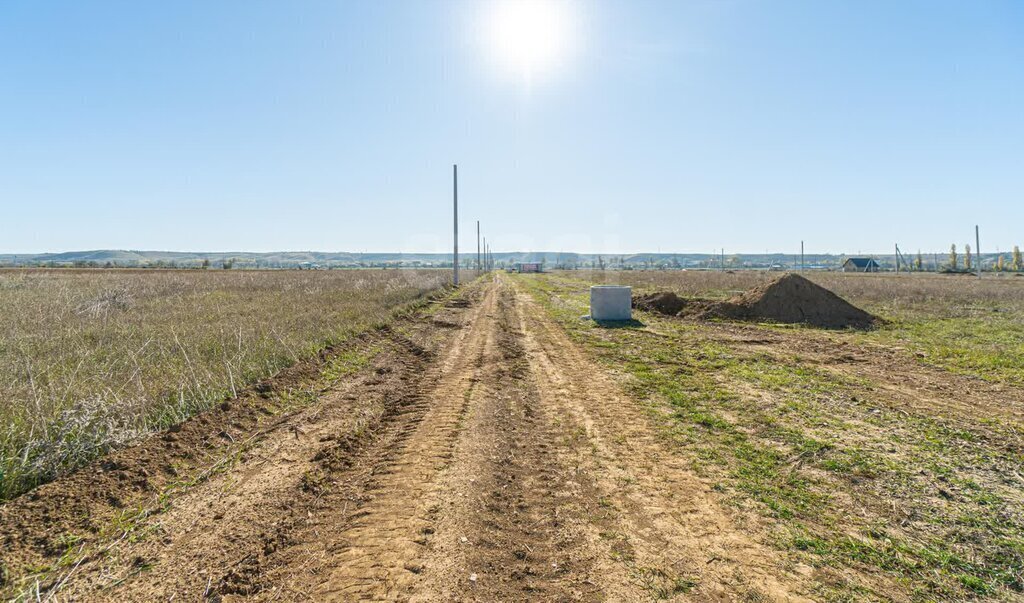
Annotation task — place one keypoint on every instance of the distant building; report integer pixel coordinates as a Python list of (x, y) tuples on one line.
[(861, 265), (523, 267)]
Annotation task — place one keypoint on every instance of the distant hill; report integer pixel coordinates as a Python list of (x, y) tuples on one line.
[(550, 259)]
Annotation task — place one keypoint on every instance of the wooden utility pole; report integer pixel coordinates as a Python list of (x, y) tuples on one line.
[(478, 265), (455, 205), (897, 258)]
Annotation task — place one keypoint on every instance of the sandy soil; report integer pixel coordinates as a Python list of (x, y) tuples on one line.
[(479, 457)]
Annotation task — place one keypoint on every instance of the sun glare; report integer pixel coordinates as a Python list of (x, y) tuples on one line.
[(529, 38)]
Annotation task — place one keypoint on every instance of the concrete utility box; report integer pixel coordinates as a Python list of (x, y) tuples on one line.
[(611, 302)]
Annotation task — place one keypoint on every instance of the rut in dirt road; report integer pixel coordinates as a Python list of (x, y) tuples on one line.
[(468, 504), (511, 525), (376, 543)]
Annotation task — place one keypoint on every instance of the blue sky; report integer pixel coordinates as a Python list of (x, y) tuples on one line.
[(671, 126)]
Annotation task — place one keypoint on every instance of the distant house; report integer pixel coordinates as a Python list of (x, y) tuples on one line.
[(861, 265), (523, 267)]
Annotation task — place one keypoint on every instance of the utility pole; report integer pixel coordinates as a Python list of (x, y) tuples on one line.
[(455, 205), (801, 256), (723, 259), (977, 248), (478, 265), (897, 258), (486, 267)]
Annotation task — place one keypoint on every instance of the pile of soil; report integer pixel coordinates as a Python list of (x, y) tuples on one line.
[(788, 299), (662, 302)]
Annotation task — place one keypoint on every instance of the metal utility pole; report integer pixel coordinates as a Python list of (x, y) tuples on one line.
[(486, 267), (897, 258), (455, 205), (801, 256), (977, 248), (478, 265)]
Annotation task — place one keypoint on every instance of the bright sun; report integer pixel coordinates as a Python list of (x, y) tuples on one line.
[(529, 38)]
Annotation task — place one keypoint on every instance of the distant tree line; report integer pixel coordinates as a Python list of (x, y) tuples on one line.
[(1000, 264)]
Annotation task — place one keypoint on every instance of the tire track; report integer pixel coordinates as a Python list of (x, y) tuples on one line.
[(511, 526), (375, 543)]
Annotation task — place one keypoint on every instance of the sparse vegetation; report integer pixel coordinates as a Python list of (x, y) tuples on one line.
[(94, 359)]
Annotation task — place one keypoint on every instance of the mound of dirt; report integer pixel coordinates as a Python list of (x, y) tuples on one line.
[(788, 299), (794, 299), (662, 302)]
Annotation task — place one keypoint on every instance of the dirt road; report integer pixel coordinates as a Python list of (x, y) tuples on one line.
[(480, 456)]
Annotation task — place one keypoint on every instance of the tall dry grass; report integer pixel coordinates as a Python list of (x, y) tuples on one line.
[(92, 359)]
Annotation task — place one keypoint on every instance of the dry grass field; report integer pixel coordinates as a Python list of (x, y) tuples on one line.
[(92, 359)]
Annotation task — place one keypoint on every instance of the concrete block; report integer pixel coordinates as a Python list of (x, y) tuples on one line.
[(611, 302)]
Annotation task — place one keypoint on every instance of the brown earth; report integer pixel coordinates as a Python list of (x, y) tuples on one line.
[(662, 302), (789, 299), (479, 455)]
